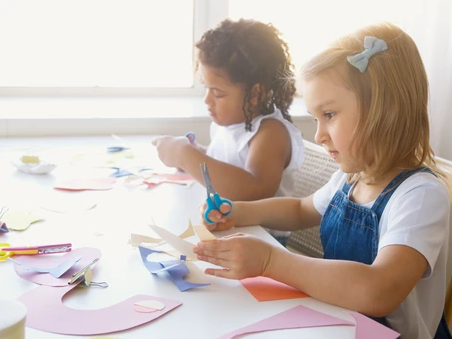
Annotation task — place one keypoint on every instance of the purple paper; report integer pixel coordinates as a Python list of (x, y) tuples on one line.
[(296, 317), (46, 312), (367, 328)]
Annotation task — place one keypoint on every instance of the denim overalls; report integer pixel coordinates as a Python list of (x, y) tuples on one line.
[(349, 231)]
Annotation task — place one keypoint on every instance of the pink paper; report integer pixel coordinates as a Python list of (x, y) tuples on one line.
[(367, 328), (296, 317), (87, 184), (88, 254), (46, 312)]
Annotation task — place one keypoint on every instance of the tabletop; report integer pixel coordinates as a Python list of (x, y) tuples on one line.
[(206, 312)]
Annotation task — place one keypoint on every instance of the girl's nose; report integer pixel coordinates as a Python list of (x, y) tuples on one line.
[(321, 135)]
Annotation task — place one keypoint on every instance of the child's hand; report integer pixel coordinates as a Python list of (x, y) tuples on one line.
[(240, 255), (170, 149), (221, 223)]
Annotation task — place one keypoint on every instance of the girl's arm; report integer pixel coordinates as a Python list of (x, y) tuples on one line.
[(269, 153), (375, 290)]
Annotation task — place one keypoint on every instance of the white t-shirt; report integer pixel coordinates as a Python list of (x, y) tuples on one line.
[(417, 215), (230, 144)]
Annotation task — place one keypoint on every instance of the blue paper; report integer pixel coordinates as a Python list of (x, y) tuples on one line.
[(177, 269)]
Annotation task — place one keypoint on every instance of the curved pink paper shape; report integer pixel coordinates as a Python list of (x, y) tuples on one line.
[(46, 312), (51, 260), (87, 184), (296, 317)]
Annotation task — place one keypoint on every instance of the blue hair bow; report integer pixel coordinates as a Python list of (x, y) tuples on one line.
[(372, 46)]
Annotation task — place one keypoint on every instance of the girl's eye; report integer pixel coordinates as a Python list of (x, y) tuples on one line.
[(329, 115)]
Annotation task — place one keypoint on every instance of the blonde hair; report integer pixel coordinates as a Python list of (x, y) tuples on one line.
[(392, 95)]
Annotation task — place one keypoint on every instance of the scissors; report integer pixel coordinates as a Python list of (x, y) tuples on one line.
[(213, 199), (3, 228), (7, 251), (191, 137)]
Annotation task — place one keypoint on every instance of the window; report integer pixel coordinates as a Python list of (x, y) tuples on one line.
[(73, 45), (145, 47)]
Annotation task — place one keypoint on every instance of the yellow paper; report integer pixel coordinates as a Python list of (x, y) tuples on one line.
[(20, 220)]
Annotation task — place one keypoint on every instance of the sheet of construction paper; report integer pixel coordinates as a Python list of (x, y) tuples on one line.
[(20, 220), (46, 312), (88, 254), (86, 184), (296, 317), (177, 269), (55, 272), (180, 245), (267, 289), (367, 328)]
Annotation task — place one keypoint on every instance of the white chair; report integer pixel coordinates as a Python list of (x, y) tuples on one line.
[(317, 168)]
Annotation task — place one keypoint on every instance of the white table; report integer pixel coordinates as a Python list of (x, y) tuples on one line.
[(206, 312)]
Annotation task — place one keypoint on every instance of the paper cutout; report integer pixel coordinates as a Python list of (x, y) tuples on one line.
[(203, 233), (367, 328), (88, 254), (46, 312), (296, 317), (180, 245), (55, 272), (138, 239), (189, 232), (266, 289), (177, 269), (148, 306), (68, 204), (20, 220), (120, 172), (86, 184)]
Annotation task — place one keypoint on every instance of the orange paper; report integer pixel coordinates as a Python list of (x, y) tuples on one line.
[(266, 289)]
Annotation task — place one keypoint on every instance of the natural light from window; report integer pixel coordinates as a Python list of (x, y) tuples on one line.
[(96, 43)]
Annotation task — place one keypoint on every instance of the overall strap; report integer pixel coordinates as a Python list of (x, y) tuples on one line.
[(380, 204)]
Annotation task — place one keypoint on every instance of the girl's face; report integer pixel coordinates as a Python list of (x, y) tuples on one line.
[(224, 99), (336, 110)]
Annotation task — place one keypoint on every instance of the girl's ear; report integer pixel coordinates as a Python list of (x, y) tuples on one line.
[(255, 91)]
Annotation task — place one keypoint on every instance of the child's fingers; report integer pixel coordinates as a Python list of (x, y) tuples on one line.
[(225, 208)]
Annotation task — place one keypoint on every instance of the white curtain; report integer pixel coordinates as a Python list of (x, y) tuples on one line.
[(429, 22)]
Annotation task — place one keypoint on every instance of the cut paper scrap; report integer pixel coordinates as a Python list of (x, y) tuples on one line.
[(88, 254), (137, 239), (46, 312), (86, 184), (367, 328), (68, 204), (20, 220), (148, 306), (55, 272), (180, 245), (296, 317), (177, 269), (267, 289)]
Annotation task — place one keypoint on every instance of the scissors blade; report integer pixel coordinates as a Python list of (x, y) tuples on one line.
[(207, 182)]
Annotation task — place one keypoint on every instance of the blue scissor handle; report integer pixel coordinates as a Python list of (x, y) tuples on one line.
[(191, 137), (215, 205)]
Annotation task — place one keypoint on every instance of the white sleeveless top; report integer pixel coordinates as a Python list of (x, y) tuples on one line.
[(230, 144)]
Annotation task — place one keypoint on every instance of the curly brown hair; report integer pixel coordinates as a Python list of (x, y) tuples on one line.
[(251, 52)]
